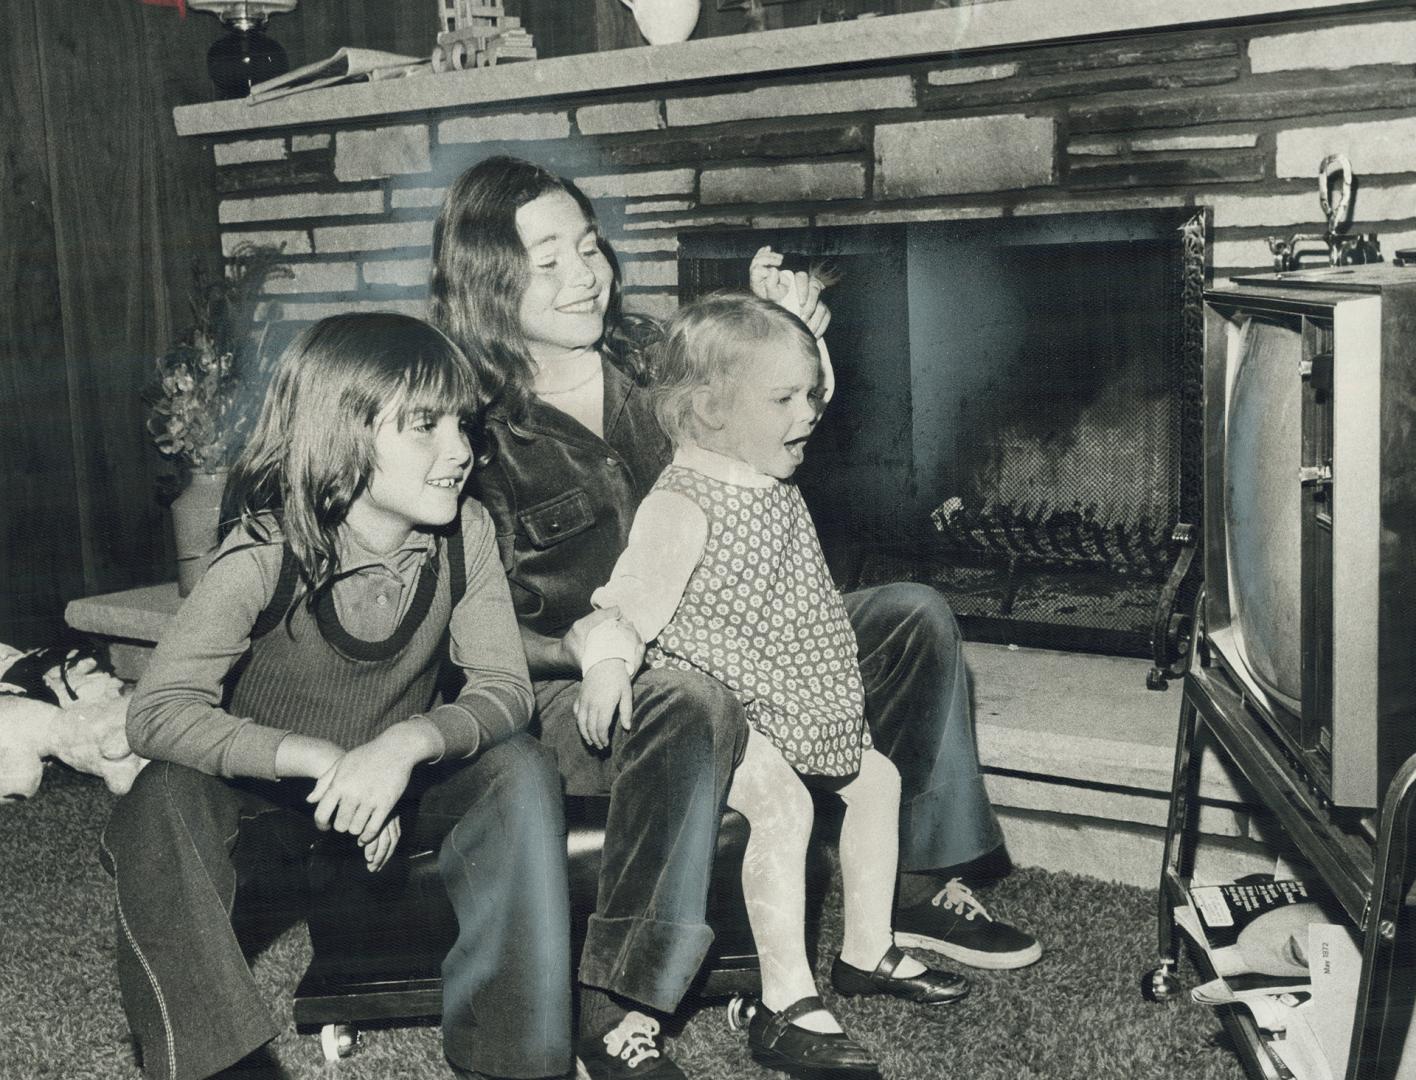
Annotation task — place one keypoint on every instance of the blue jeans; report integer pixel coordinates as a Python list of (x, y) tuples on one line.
[(180, 840), (668, 777)]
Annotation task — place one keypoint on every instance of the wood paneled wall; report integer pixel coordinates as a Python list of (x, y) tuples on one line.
[(103, 210)]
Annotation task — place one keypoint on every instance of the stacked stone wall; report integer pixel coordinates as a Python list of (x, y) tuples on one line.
[(1235, 120)]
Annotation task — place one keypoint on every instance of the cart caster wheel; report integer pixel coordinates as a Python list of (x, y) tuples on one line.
[(457, 56), (741, 1009), (338, 1041), (440, 60), (1159, 984)]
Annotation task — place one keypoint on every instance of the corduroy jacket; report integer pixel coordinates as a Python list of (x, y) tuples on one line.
[(563, 498)]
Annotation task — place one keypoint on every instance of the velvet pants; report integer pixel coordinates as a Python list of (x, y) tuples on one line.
[(180, 841), (668, 778)]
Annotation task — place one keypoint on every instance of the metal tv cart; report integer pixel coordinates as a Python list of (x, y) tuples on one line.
[(1370, 876)]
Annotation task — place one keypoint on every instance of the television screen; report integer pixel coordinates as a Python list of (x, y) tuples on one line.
[(1310, 438), (1263, 450)]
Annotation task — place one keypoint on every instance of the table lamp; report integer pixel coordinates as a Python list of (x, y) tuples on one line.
[(245, 55)]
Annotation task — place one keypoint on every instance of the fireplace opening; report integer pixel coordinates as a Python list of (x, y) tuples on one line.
[(1016, 416)]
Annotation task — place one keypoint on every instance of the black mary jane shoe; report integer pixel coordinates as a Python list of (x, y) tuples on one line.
[(778, 1043), (932, 986)]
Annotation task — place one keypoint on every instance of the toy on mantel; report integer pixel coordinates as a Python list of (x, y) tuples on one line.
[(70, 710), (473, 34)]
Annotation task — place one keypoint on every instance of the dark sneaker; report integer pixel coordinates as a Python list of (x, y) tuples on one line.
[(631, 1050), (953, 922)]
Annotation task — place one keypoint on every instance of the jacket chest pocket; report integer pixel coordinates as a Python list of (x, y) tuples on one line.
[(557, 519)]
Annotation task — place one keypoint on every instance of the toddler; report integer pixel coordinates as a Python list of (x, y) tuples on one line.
[(723, 573)]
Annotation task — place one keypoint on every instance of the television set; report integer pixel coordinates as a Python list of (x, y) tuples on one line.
[(1310, 517)]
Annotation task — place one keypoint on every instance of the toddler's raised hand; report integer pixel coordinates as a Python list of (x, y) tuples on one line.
[(798, 292), (604, 692), (767, 279)]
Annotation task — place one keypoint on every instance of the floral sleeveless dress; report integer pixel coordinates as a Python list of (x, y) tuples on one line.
[(762, 616)]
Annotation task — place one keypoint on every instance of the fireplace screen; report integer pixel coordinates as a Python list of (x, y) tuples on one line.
[(1016, 418)]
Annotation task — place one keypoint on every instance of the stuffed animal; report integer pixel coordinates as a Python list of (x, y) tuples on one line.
[(70, 710)]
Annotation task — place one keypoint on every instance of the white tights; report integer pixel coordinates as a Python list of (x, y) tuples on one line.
[(768, 792)]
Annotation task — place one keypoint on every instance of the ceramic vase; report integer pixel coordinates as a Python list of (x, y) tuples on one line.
[(195, 514), (664, 21)]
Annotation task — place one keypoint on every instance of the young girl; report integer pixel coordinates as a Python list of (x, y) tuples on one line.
[(293, 695), (723, 573)]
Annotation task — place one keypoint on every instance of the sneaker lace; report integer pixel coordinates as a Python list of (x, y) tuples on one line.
[(959, 898), (632, 1040)]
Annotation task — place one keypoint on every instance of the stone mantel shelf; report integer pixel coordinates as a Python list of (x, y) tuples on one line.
[(947, 32)]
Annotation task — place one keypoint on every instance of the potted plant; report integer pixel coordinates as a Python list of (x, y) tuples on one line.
[(200, 403)]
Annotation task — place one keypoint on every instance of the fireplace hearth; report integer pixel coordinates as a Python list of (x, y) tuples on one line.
[(1016, 419)]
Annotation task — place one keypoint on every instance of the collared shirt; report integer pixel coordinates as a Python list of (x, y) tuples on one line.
[(380, 588), (176, 712)]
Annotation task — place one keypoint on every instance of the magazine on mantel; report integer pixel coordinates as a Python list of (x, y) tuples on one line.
[(346, 65)]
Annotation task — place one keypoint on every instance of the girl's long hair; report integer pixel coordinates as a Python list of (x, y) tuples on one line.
[(480, 270), (312, 451)]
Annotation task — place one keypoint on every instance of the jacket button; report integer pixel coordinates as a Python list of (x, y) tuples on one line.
[(610, 461)]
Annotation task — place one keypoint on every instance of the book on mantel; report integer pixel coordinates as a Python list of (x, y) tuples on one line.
[(346, 65)]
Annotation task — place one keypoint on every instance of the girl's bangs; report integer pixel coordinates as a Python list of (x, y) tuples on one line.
[(439, 383)]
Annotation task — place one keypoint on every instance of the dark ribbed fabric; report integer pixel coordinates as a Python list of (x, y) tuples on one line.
[(601, 1010), (307, 674)]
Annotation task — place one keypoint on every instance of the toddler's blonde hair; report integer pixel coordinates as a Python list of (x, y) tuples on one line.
[(706, 343)]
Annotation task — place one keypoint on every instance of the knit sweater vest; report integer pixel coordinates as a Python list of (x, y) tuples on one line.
[(761, 615), (308, 675)]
